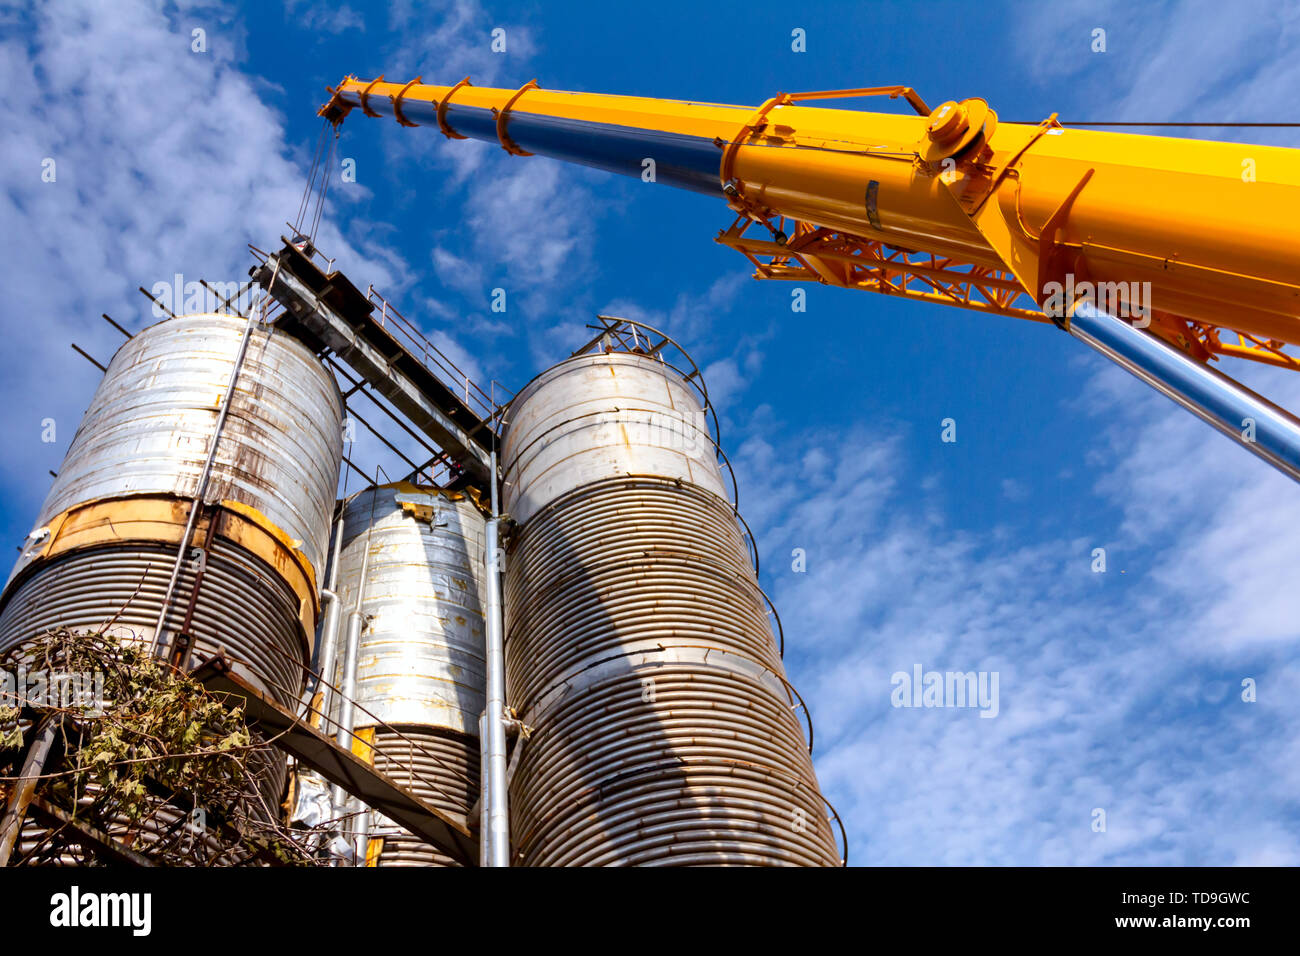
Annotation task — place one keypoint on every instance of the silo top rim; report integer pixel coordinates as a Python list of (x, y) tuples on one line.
[(411, 488), (630, 339)]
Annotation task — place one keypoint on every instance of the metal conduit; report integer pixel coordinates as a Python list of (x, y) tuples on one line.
[(1207, 393)]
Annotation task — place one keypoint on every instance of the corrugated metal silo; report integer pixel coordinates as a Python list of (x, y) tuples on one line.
[(638, 647), (420, 664), (107, 536)]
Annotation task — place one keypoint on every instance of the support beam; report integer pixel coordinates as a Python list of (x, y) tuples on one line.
[(25, 788), (353, 341), (92, 838), (448, 832)]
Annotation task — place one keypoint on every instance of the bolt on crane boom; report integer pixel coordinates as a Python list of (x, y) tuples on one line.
[(1163, 254)]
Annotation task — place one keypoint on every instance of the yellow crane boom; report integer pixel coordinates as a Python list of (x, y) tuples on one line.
[(1108, 235)]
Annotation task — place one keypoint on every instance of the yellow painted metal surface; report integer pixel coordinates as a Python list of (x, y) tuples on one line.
[(962, 209), (161, 518)]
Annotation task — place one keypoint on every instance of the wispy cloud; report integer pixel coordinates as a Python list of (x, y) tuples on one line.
[(325, 17), (1121, 690), (161, 159), (1198, 61)]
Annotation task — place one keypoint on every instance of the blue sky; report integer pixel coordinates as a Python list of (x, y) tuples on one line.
[(1118, 691)]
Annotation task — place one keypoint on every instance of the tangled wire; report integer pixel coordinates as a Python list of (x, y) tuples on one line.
[(142, 752)]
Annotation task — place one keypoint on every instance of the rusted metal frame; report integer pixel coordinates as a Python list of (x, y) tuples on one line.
[(377, 370), (116, 326), (355, 467), (412, 744), (87, 356), (441, 361), (341, 766), (438, 459), (48, 839), (356, 736), (446, 130), (166, 830), (90, 837), (180, 654), (186, 804), (24, 791), (397, 103), (149, 295), (503, 135), (599, 337), (225, 301)]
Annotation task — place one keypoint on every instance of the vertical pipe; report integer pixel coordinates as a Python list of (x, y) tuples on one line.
[(495, 824), (25, 788), (348, 690), (328, 651), (340, 799), (1249, 419), (333, 614)]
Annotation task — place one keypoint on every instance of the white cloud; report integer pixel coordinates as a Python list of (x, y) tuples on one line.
[(1119, 693), (1200, 61), (325, 17), (693, 315), (166, 161)]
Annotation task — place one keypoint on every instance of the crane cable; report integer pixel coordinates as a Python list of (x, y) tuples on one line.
[(317, 183)]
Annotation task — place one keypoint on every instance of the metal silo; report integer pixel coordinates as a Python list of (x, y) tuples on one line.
[(411, 570), (106, 540), (638, 648)]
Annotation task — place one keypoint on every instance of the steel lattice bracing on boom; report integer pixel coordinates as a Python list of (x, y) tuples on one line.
[(949, 206), (1191, 241)]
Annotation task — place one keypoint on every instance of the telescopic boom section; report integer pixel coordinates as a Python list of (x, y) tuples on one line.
[(1127, 242), (948, 206)]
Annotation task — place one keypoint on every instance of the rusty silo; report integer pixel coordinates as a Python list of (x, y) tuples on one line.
[(411, 572), (638, 646), (106, 540)]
